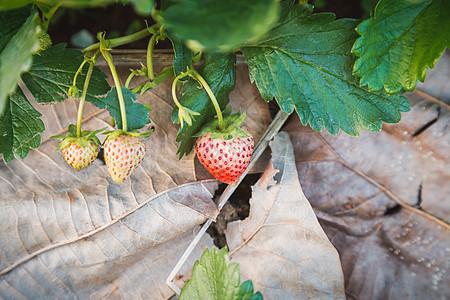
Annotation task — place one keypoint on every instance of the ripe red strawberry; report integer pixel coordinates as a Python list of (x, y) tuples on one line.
[(79, 157), (226, 160), (123, 154)]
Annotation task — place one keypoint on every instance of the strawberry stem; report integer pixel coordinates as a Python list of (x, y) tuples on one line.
[(184, 113), (150, 47), (210, 93), (48, 15), (104, 49), (122, 40), (85, 88), (79, 71), (174, 90)]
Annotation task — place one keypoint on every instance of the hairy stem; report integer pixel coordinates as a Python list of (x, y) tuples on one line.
[(47, 16), (78, 72), (123, 113), (151, 46), (85, 88), (210, 93), (122, 40), (174, 90)]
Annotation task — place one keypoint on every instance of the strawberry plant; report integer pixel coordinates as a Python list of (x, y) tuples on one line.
[(341, 75)]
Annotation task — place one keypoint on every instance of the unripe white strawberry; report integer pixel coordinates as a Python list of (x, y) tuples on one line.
[(123, 154), (79, 157), (81, 150)]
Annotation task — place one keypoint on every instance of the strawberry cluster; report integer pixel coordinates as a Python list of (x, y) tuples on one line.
[(124, 151)]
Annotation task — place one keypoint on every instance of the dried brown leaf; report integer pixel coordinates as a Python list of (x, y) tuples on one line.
[(281, 246), (380, 198)]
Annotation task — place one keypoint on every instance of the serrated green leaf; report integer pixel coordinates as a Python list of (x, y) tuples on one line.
[(19, 38), (137, 114), (20, 126), (213, 277), (51, 75), (220, 73), (220, 24), (183, 55), (400, 42), (246, 292), (305, 63)]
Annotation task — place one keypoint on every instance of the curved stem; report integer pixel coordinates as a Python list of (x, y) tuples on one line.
[(48, 16), (151, 46), (127, 83), (85, 88), (123, 113), (78, 72), (174, 90), (122, 40), (210, 93)]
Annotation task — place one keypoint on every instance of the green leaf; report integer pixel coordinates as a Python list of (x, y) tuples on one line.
[(305, 63), (20, 126), (400, 42), (220, 73), (11, 4), (142, 7), (220, 24), (285, 8), (137, 114), (19, 38), (183, 55), (79, 3), (51, 75), (213, 277), (246, 292)]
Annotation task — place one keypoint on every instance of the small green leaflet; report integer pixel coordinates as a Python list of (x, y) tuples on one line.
[(20, 126), (52, 74), (183, 55), (213, 277), (220, 73), (400, 42), (306, 64), (220, 24), (245, 292), (137, 114), (19, 38)]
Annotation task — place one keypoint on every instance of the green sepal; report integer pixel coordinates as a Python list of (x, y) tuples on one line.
[(86, 135), (59, 136), (82, 141), (231, 126), (66, 142), (73, 130), (115, 133)]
